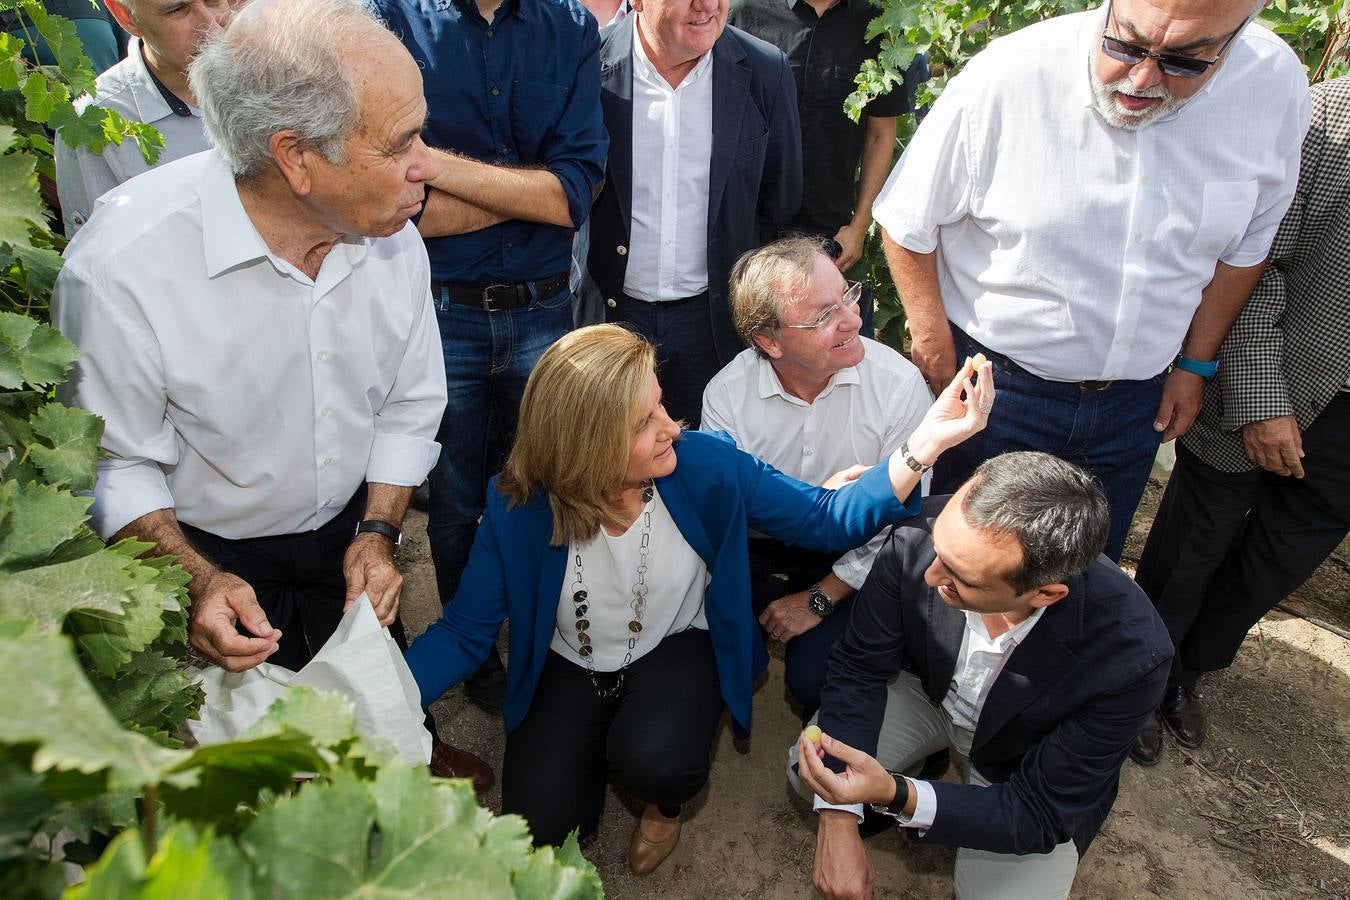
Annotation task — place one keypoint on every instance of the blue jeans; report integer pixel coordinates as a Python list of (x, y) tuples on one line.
[(488, 359), (1108, 432)]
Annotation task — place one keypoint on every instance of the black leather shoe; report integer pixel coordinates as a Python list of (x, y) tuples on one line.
[(1183, 715), (1149, 744)]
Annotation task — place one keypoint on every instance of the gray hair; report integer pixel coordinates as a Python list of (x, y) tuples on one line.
[(1056, 511), (766, 282), (279, 67)]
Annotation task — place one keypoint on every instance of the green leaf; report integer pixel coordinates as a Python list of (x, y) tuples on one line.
[(86, 127), (67, 451), (153, 694), (31, 353), (16, 408), (25, 804), (233, 773), (12, 66), (186, 864), (39, 268), (34, 520), (104, 813), (328, 717), (41, 96), (148, 138), (46, 700), (64, 43), (20, 203)]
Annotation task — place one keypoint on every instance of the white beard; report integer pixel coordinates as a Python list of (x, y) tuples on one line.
[(1103, 96)]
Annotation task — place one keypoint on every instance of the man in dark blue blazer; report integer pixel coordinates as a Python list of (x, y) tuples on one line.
[(705, 151), (991, 625)]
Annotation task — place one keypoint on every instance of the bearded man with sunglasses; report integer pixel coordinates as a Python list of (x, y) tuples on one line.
[(1090, 203)]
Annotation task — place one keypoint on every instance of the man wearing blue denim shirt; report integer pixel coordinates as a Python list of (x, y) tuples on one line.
[(513, 96)]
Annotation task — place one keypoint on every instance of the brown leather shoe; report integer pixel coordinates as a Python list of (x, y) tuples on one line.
[(451, 762), (1148, 745), (653, 839), (1183, 715)]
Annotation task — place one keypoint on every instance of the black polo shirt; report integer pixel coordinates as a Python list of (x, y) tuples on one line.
[(825, 53)]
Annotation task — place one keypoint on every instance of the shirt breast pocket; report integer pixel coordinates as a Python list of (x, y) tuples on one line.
[(1225, 213), (536, 107)]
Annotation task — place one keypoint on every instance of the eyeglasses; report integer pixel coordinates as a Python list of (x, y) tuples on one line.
[(852, 294), (1170, 63)]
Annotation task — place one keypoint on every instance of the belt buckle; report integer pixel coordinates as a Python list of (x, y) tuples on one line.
[(487, 295), (1097, 386)]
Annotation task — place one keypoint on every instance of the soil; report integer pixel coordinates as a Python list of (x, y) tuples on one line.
[(1258, 812)]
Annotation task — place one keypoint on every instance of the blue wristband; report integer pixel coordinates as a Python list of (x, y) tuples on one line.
[(1196, 367)]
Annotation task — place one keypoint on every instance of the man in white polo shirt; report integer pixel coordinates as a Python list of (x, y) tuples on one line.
[(811, 397), (1090, 197), (151, 86)]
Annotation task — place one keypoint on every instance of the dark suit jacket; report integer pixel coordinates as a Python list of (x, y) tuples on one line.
[(1058, 721), (755, 172)]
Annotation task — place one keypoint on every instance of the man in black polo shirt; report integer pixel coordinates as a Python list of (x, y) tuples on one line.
[(825, 45)]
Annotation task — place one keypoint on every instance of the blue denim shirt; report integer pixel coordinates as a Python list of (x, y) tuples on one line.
[(521, 91)]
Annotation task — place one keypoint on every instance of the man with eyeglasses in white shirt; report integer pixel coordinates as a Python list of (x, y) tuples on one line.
[(811, 397), (1090, 203)]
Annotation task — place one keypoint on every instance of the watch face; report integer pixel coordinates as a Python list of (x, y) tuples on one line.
[(818, 603)]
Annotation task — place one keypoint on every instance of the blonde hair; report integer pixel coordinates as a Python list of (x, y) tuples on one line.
[(769, 281), (576, 428)]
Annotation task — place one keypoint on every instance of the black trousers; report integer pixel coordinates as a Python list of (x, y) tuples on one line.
[(655, 737), (776, 570), (686, 352), (1225, 548)]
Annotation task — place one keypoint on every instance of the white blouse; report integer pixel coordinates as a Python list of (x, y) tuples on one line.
[(676, 579)]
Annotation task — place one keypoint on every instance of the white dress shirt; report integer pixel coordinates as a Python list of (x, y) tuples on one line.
[(864, 414), (236, 390), (127, 88), (672, 152), (1076, 248), (676, 578), (978, 665)]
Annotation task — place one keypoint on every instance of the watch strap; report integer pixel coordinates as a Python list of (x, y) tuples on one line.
[(910, 461), (896, 808), (382, 528), (1197, 367), (818, 601)]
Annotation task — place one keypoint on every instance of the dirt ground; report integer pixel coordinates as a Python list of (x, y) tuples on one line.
[(1258, 812)]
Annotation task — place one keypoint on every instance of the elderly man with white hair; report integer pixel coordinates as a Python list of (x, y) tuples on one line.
[(256, 331), (151, 86)]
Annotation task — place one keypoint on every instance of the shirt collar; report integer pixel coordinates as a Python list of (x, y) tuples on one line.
[(230, 239), (148, 92), (770, 386), (1013, 636), (793, 3), (172, 100), (513, 8)]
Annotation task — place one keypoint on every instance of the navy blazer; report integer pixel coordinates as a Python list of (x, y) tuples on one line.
[(715, 491), (1058, 721), (755, 174)]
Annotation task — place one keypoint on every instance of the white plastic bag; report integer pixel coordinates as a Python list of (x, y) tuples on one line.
[(360, 660)]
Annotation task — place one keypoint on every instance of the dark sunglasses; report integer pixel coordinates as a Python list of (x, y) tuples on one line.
[(1170, 63)]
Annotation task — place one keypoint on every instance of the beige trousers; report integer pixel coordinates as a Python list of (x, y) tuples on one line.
[(914, 728)]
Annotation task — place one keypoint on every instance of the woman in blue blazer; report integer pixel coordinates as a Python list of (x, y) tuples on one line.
[(626, 581)]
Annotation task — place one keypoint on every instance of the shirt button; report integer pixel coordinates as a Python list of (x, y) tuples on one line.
[(610, 303), (321, 356), (328, 460), (494, 90), (621, 250), (808, 453), (1138, 238), (324, 412), (328, 502), (489, 32)]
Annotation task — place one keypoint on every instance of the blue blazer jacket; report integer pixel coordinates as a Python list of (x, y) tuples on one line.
[(1058, 721), (754, 175), (715, 492)]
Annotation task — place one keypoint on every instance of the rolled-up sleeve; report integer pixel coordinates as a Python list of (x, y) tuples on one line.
[(118, 378), (404, 447), (576, 154)]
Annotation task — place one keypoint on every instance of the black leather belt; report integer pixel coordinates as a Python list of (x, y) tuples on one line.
[(498, 296)]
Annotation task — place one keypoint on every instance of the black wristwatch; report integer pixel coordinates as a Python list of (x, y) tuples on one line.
[(896, 808), (382, 528), (818, 601)]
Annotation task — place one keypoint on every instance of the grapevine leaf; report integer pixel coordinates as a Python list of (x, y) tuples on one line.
[(16, 408), (40, 266), (30, 352), (329, 718), (68, 445), (41, 95), (104, 813), (26, 803), (546, 875), (226, 775), (64, 43), (154, 693), (46, 700), (12, 65), (186, 864), (34, 520), (20, 202), (150, 141), (87, 127)]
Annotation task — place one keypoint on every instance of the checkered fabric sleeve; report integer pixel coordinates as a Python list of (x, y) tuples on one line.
[(1289, 350)]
